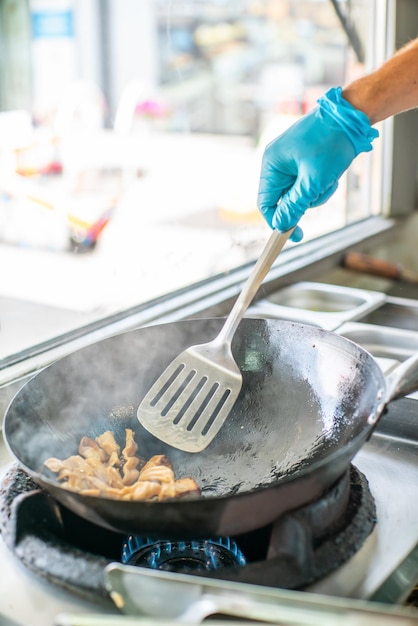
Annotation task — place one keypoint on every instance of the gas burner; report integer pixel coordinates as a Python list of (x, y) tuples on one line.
[(298, 549), (182, 556)]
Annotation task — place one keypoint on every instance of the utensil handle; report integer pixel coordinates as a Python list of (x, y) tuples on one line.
[(402, 380), (365, 264), (299, 614), (190, 600), (266, 259), (264, 611)]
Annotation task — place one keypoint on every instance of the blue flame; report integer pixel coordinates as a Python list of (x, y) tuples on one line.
[(208, 554)]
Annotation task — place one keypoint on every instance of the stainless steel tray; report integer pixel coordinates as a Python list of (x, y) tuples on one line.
[(390, 346), (318, 304), (382, 341), (395, 313)]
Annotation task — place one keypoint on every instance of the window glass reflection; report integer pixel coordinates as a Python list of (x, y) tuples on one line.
[(132, 134)]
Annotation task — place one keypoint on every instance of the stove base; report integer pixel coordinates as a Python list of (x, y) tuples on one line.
[(297, 550)]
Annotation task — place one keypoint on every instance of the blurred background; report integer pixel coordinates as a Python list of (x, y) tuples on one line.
[(131, 135)]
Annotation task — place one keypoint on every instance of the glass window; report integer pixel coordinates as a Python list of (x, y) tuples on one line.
[(131, 144)]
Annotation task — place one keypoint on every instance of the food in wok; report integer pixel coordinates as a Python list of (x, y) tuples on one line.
[(101, 469)]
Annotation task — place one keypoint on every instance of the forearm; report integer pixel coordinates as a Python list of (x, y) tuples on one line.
[(389, 90)]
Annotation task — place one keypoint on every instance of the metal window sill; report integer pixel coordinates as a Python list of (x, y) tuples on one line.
[(212, 297)]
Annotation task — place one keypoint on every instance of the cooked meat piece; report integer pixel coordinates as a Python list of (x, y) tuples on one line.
[(131, 447), (109, 445), (99, 470), (132, 464), (130, 472), (160, 459), (80, 482), (79, 473), (90, 449), (185, 487), (109, 475), (157, 469), (167, 490), (72, 463), (91, 492), (144, 490)]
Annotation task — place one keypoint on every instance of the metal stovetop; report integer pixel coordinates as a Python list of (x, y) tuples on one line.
[(381, 574), (383, 570)]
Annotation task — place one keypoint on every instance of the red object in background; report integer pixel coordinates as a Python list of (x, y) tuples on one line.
[(85, 234), (52, 168)]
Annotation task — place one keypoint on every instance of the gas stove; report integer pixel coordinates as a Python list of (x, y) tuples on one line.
[(53, 563), (296, 550)]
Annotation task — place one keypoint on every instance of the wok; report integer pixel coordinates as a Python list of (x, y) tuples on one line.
[(309, 401)]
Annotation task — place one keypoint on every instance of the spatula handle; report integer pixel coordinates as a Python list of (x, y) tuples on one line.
[(266, 259)]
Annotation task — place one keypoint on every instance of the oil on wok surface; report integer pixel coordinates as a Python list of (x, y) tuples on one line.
[(299, 420)]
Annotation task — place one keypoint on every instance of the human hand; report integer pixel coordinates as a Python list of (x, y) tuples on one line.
[(301, 167)]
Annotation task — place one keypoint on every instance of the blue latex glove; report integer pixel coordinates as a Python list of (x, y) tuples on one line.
[(301, 167)]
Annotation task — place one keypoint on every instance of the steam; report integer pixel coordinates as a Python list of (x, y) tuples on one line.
[(276, 428)]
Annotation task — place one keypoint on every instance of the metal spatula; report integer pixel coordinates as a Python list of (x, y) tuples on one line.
[(192, 398)]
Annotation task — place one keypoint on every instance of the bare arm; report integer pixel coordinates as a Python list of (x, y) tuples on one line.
[(389, 90)]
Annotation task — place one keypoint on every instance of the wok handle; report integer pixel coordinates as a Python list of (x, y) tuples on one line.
[(402, 380)]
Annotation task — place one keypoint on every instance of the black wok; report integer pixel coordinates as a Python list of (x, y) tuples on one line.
[(309, 401)]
